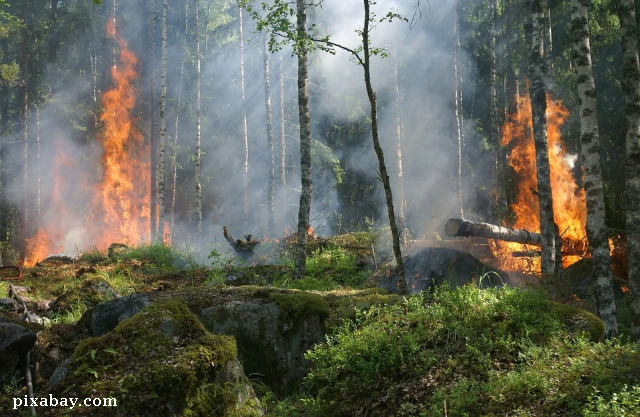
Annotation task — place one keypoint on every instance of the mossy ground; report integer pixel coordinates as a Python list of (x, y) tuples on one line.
[(492, 352), (158, 362), (484, 352)]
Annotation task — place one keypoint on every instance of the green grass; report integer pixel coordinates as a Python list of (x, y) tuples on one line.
[(485, 352), (161, 256), (328, 268)]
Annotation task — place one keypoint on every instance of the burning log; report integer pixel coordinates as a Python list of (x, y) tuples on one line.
[(244, 248), (466, 228)]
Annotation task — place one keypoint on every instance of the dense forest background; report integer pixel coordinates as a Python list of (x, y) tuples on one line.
[(56, 65)]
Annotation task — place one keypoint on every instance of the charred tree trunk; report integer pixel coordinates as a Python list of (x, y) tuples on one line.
[(590, 138), (631, 95), (458, 129), (376, 145), (402, 219), (198, 117), (537, 93), (245, 138), (163, 125), (304, 209), (174, 181), (272, 156)]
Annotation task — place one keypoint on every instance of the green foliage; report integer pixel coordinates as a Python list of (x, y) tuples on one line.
[(328, 268), (623, 403), (161, 256), (486, 352)]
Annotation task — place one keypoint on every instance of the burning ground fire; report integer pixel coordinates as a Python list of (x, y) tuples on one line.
[(568, 200), (118, 208)]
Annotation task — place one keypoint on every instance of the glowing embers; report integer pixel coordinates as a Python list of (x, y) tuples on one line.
[(568, 200)]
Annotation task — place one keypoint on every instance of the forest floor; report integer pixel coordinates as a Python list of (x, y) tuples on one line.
[(455, 351)]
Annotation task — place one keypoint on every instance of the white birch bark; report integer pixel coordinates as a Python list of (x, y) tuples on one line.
[(163, 125), (198, 117), (304, 208), (590, 138)]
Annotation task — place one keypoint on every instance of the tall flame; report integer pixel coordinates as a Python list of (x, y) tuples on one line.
[(568, 200), (118, 209)]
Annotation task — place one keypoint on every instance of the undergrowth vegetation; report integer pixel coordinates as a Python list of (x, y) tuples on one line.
[(485, 352)]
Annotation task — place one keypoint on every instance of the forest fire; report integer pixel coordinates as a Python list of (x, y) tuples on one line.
[(118, 204), (568, 200)]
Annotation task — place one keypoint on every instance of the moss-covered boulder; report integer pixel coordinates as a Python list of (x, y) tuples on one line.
[(344, 304), (273, 328), (160, 362), (91, 292)]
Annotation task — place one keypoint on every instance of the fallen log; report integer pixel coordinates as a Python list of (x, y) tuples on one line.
[(466, 228)]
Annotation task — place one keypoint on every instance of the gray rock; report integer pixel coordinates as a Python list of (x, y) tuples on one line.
[(59, 374), (15, 341), (8, 304), (106, 316), (233, 374), (430, 267), (267, 347)]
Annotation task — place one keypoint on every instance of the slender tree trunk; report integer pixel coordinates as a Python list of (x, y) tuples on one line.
[(24, 116), (153, 138), (512, 81), (458, 130), (547, 37), (245, 138), (631, 95), (304, 209), (402, 219), (376, 145), (272, 157), (283, 141), (590, 138), (53, 35), (178, 109), (493, 116), (38, 190), (537, 92), (198, 116), (163, 125)]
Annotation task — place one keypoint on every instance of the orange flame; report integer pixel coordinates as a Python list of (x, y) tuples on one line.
[(568, 200), (119, 203)]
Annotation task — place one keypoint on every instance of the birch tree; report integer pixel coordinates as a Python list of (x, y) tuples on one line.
[(163, 124), (458, 128), (272, 157), (538, 95), (398, 132), (493, 115), (175, 135), (283, 138), (631, 95), (245, 139), (198, 117), (590, 138), (24, 119)]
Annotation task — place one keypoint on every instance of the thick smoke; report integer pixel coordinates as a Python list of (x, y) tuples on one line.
[(70, 150)]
